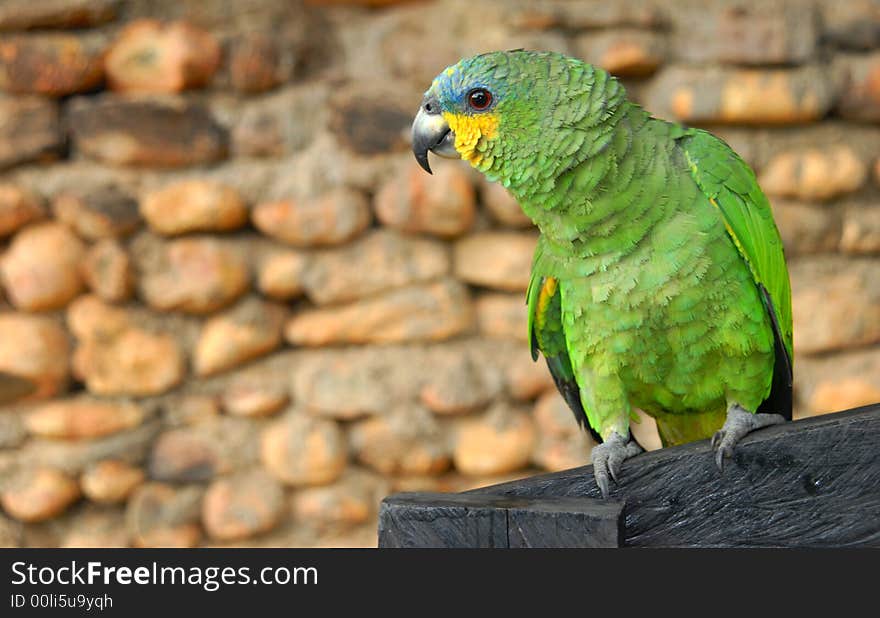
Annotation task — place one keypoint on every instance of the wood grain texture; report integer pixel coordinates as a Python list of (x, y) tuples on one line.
[(482, 520), (810, 483)]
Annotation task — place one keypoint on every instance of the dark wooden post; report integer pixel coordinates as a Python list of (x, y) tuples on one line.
[(811, 483)]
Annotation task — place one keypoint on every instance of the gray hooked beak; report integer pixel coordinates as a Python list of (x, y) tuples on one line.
[(430, 132)]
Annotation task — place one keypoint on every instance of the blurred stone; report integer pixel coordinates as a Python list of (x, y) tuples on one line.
[(40, 270), (12, 431), (442, 204), (626, 53), (204, 450), (159, 515), (645, 431), (498, 260), (429, 312), (584, 15), (861, 230), (405, 441), (105, 212), (350, 501), (107, 271), (557, 454), (760, 33), (349, 386), (191, 409), (409, 30), (740, 96), (527, 379), (35, 348), (837, 381), (503, 315), (27, 14), (300, 450), (39, 494), (242, 506), (92, 529), (844, 394), (55, 65), (280, 275), (860, 94), (254, 399), (553, 417), (255, 63), (11, 535), (82, 418), (194, 205), (73, 456), (499, 441), (380, 261), (456, 386), (194, 275), (836, 303), (250, 329), (282, 122), (814, 174), (186, 455), (369, 127), (852, 25), (110, 481), (31, 130), (18, 207), (90, 317), (146, 133), (806, 228), (502, 205), (132, 362), (151, 56), (331, 219)]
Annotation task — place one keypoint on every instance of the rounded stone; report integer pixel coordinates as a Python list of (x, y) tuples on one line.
[(242, 506), (18, 207), (82, 418), (110, 481), (40, 270), (299, 450), (254, 399), (35, 348), (329, 219), (499, 441), (160, 515), (39, 494), (194, 205)]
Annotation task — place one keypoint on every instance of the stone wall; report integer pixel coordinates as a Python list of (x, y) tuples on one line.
[(234, 311)]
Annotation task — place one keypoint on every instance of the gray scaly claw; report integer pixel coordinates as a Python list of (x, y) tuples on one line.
[(738, 424), (609, 456)]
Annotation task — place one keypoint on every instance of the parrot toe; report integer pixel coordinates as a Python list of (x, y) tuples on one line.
[(609, 456), (739, 423)]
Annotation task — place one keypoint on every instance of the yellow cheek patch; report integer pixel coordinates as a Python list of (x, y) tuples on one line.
[(470, 131)]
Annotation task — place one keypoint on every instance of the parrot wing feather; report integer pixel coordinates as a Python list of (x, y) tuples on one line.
[(731, 187), (547, 335)]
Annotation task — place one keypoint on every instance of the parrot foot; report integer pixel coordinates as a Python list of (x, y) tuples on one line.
[(609, 456), (738, 424)]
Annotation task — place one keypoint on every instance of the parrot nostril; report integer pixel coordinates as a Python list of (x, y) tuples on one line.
[(428, 108)]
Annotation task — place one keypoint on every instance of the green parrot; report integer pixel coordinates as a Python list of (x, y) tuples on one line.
[(659, 280)]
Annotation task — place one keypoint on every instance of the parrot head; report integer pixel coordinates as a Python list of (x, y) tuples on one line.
[(497, 107)]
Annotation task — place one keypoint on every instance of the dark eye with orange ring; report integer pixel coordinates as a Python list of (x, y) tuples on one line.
[(479, 98)]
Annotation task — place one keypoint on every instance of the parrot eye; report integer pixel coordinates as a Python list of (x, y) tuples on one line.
[(479, 98)]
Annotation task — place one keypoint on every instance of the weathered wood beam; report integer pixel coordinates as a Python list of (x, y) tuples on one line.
[(484, 520), (810, 483)]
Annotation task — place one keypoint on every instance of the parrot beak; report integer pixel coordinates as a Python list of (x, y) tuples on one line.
[(431, 132)]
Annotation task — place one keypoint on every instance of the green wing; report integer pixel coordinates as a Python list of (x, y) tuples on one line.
[(730, 185), (547, 336)]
